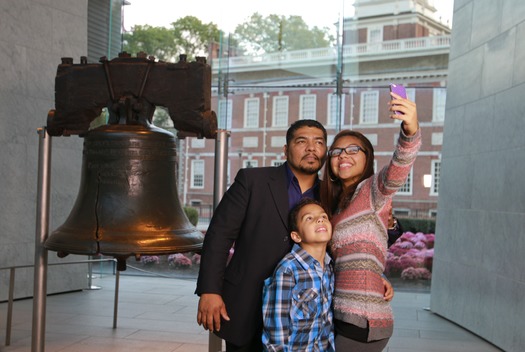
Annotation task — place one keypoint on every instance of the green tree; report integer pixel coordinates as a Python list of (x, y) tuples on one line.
[(161, 118), (156, 41), (192, 37), (187, 35), (276, 33)]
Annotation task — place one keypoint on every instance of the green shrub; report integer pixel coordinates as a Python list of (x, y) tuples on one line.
[(192, 214)]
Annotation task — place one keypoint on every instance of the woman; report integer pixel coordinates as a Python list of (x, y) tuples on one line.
[(360, 202)]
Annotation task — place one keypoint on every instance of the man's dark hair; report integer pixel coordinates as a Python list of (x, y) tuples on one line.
[(294, 213), (303, 123)]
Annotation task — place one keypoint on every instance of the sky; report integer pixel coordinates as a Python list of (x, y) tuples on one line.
[(228, 13)]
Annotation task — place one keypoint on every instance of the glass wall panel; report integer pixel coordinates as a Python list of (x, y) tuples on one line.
[(275, 62)]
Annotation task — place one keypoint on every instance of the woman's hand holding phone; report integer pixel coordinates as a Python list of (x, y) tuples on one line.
[(403, 109)]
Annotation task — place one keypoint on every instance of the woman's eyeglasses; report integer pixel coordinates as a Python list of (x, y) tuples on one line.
[(350, 150)]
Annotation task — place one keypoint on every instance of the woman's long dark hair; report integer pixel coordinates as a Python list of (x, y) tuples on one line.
[(331, 192)]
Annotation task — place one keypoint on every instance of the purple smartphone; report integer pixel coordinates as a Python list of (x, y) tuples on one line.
[(399, 90)]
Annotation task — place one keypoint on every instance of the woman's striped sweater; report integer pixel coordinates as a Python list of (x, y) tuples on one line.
[(359, 244)]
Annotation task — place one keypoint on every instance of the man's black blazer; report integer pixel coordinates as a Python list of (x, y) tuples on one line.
[(253, 213)]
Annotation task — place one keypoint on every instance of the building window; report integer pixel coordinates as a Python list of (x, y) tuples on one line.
[(406, 190), (228, 177), (251, 113), (197, 174), (224, 119), (333, 109), (277, 162), (280, 111), (250, 142), (307, 104), (438, 108), (401, 212), (249, 163), (372, 137), (411, 95), (278, 141), (198, 143), (369, 107), (437, 138), (375, 35), (436, 173)]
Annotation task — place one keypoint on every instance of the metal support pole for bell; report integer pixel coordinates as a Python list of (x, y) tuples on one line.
[(90, 285), (42, 229), (221, 176), (221, 166)]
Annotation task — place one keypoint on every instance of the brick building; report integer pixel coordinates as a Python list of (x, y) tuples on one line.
[(344, 87)]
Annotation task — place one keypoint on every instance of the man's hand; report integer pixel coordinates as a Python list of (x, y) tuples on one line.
[(211, 309), (389, 290)]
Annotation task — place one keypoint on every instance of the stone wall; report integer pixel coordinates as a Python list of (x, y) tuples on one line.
[(479, 271), (34, 35)]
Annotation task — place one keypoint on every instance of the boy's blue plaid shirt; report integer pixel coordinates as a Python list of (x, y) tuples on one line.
[(297, 305)]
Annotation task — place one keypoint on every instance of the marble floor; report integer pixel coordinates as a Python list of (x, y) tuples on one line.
[(157, 314)]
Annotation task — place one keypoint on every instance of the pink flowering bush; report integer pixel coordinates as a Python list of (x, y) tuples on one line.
[(410, 257), (149, 259), (416, 274), (179, 260), (196, 259)]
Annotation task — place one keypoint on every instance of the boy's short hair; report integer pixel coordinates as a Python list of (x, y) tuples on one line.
[(294, 213)]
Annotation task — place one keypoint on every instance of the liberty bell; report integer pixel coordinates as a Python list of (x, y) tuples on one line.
[(127, 204)]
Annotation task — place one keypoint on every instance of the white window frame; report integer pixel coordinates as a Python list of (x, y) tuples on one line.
[(197, 173), (438, 104), (307, 106), (280, 111), (408, 187), (251, 112), (332, 109), (225, 111), (375, 34), (435, 171), (369, 107)]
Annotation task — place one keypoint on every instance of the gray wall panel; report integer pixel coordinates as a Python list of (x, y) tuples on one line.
[(34, 35), (478, 277)]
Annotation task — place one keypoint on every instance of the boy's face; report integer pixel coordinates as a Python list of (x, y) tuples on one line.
[(313, 225)]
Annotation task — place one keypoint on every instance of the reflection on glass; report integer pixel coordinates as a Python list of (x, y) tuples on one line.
[(276, 62)]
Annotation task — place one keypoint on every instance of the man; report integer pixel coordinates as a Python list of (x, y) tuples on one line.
[(253, 214), (395, 230)]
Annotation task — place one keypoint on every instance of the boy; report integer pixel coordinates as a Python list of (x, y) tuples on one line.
[(297, 299)]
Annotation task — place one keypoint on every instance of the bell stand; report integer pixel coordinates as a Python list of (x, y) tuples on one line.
[(219, 187), (42, 231)]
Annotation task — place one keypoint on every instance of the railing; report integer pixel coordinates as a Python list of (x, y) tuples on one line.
[(12, 270), (349, 51)]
